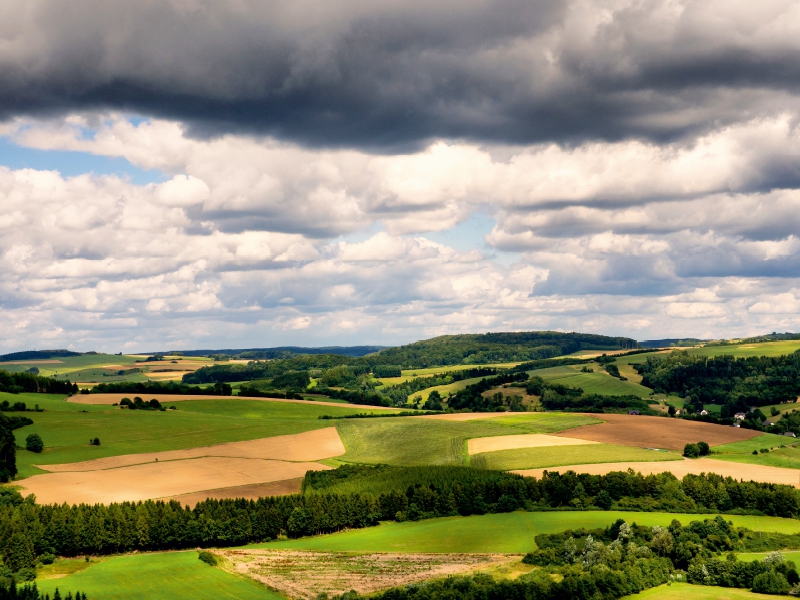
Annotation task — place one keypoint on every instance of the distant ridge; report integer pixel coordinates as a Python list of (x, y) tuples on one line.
[(667, 342), (279, 351), (37, 354)]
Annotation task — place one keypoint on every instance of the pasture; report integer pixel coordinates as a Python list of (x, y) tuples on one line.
[(556, 456), (507, 533), (66, 427), (597, 382), (174, 575), (761, 349), (414, 441), (679, 591), (445, 390)]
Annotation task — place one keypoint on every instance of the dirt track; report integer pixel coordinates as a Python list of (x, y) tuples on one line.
[(683, 467), (160, 479), (109, 399), (526, 440), (657, 432), (299, 447)]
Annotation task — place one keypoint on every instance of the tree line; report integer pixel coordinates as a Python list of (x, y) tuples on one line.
[(18, 383), (30, 531)]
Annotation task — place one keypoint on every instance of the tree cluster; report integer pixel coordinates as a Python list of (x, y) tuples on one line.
[(17, 383)]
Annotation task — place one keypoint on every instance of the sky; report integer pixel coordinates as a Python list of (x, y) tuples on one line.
[(179, 174)]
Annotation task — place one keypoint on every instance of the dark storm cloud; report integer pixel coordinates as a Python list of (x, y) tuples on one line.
[(394, 74)]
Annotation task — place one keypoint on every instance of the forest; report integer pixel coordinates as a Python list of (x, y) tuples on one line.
[(734, 383)]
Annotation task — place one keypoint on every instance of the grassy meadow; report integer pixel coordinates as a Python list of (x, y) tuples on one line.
[(557, 456), (66, 427), (445, 390), (761, 349), (173, 575), (679, 591), (420, 441), (598, 382), (511, 533)]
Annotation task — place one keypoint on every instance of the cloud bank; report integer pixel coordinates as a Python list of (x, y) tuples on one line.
[(638, 163)]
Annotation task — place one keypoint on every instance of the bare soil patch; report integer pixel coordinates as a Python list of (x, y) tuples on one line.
[(528, 440), (160, 479), (657, 432), (299, 574), (680, 468), (299, 447), (109, 399), (249, 492)]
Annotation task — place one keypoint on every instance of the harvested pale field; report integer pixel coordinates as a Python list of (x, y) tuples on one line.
[(160, 479), (168, 365), (657, 432), (299, 574), (167, 375), (465, 416), (679, 468), (249, 492), (166, 399), (299, 447), (528, 440)]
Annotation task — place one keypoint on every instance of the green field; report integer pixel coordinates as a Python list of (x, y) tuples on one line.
[(511, 533), (556, 456), (70, 364), (66, 427), (420, 441), (598, 382), (782, 453), (447, 369), (762, 349), (792, 555), (173, 575), (679, 591)]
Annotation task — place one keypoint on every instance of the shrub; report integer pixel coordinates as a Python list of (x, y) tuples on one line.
[(704, 449), (34, 443), (207, 558), (771, 582), (691, 450)]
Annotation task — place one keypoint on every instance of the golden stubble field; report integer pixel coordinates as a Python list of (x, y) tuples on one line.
[(181, 472)]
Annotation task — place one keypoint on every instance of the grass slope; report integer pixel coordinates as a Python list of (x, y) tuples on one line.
[(511, 533), (679, 591), (556, 456), (445, 390), (174, 575), (598, 382), (419, 441), (763, 349), (66, 427), (783, 452)]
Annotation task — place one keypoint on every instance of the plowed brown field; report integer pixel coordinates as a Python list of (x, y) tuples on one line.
[(679, 468), (657, 432)]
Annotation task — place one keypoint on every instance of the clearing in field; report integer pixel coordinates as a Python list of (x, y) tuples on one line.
[(556, 456), (300, 447), (299, 574), (507, 533), (684, 467), (525, 440), (160, 479), (173, 575), (659, 432)]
